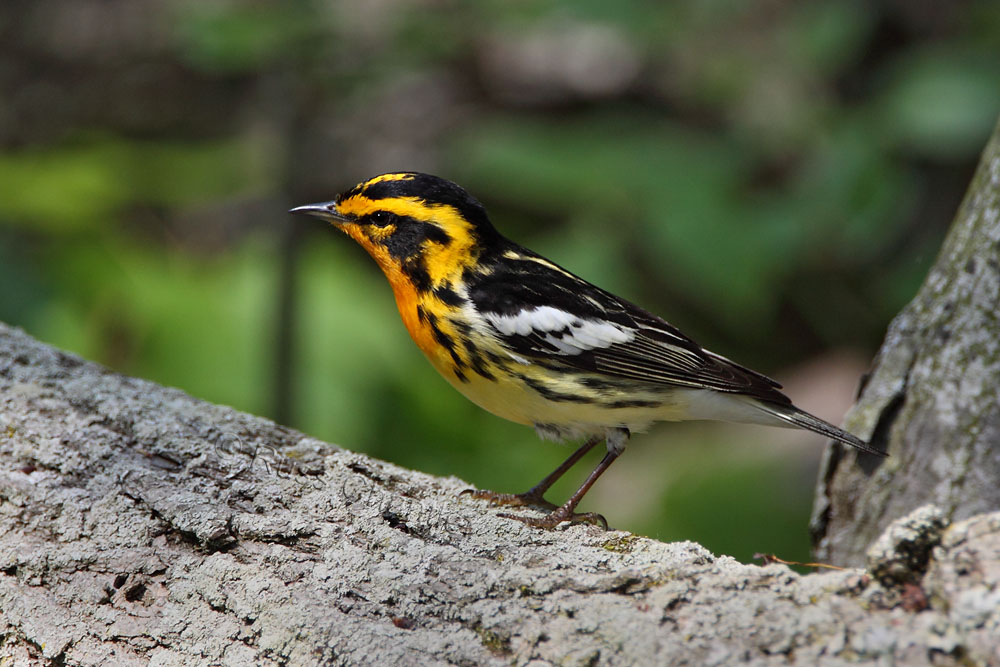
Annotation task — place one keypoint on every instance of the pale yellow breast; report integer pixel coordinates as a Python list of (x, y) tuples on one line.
[(513, 399)]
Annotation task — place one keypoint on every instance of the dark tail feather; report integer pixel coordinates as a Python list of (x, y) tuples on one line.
[(796, 417)]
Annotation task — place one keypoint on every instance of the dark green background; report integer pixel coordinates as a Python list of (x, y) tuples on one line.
[(773, 177)]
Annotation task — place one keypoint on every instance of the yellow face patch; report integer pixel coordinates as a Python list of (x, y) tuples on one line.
[(443, 260), (377, 251)]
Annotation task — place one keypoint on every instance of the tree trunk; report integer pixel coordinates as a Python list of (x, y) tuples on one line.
[(933, 397), (141, 526)]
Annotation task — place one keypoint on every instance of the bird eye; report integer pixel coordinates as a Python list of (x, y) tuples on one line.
[(380, 218)]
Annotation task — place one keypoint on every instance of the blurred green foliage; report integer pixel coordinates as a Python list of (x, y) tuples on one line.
[(773, 177)]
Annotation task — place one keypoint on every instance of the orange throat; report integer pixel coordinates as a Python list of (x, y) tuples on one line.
[(407, 299)]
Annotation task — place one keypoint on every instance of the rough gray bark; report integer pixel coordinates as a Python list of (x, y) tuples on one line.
[(932, 398), (142, 526)]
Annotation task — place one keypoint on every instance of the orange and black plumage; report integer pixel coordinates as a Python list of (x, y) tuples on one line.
[(531, 342)]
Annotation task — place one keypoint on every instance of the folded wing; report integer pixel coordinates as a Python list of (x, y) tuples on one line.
[(546, 315)]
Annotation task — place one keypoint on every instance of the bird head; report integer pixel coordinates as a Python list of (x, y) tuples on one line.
[(411, 223)]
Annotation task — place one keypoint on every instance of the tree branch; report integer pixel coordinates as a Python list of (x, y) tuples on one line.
[(931, 400), (140, 524)]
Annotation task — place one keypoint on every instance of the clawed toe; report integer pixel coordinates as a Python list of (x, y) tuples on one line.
[(535, 496), (528, 499), (557, 516)]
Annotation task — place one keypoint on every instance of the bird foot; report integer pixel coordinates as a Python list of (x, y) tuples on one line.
[(526, 499), (557, 516)]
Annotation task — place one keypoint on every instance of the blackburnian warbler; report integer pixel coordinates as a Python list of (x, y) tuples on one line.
[(530, 342)]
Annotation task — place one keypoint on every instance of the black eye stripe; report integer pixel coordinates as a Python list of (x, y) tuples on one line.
[(385, 218), (412, 226), (409, 235)]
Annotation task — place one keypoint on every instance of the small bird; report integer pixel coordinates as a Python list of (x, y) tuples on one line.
[(529, 341)]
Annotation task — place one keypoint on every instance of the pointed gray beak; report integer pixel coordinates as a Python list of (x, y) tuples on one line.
[(326, 210)]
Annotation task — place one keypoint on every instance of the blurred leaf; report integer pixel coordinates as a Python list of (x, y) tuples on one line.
[(167, 317), (556, 170), (62, 189), (86, 185), (232, 38), (941, 102), (848, 197), (826, 35), (175, 174), (24, 290)]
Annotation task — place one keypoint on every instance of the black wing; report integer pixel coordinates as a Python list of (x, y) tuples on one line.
[(550, 316)]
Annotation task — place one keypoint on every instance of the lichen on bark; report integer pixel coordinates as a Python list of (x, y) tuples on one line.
[(931, 398)]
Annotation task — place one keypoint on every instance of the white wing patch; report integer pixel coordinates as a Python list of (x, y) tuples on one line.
[(568, 333), (524, 322)]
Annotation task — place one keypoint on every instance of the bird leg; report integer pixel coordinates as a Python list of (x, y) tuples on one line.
[(565, 512), (535, 495)]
